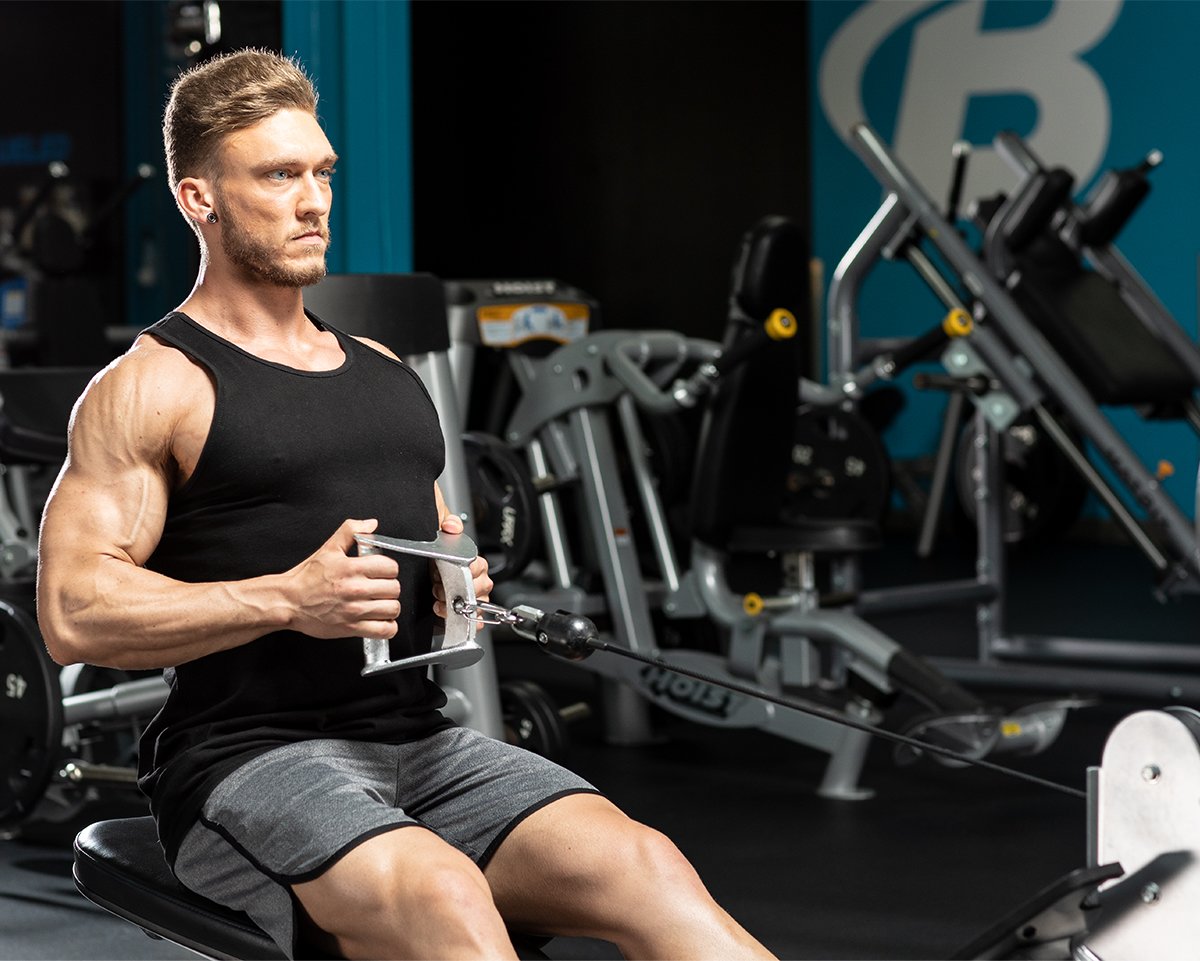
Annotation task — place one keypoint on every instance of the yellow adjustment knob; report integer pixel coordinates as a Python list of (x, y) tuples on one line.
[(753, 604), (957, 323), (781, 324), (1165, 469)]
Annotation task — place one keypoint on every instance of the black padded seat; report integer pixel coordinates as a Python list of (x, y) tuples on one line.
[(1119, 360), (808, 536), (120, 866)]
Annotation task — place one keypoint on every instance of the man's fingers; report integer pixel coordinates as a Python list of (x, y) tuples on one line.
[(343, 537), (381, 630), (375, 618), (377, 567), (452, 524)]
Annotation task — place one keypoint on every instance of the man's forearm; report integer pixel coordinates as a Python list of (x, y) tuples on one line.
[(122, 616)]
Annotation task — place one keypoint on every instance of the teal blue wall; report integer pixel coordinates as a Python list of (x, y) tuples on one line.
[(358, 53), (1093, 85), (158, 271)]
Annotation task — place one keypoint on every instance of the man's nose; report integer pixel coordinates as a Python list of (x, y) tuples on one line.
[(315, 197)]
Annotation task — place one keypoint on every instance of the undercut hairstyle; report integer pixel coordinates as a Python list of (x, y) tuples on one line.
[(228, 93)]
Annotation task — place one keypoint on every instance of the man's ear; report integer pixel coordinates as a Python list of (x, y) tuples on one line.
[(195, 198)]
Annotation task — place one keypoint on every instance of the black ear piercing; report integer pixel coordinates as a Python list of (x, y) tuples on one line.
[(211, 218)]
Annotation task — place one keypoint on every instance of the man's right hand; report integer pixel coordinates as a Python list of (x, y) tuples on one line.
[(337, 594)]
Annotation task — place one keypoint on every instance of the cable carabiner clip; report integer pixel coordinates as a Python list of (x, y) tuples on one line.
[(483, 613)]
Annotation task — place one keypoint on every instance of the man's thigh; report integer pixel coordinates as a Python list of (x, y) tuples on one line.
[(563, 867), (287, 817), (473, 790), (282, 819)]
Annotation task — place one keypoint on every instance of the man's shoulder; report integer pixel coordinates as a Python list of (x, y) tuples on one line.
[(133, 408), (376, 346), (150, 368)]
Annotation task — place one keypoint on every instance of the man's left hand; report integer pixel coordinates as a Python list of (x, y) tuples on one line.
[(452, 524)]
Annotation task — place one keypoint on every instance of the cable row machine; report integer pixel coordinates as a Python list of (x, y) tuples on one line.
[(1063, 324), (1134, 898)]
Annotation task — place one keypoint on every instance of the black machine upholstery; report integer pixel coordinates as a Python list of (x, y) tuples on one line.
[(120, 866), (746, 430), (35, 410), (1083, 315), (406, 312), (738, 498)]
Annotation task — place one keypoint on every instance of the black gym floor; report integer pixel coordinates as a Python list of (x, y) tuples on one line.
[(915, 872)]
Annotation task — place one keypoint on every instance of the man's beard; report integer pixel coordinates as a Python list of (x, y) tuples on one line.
[(263, 260)]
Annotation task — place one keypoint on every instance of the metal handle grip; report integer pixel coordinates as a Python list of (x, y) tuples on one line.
[(453, 554)]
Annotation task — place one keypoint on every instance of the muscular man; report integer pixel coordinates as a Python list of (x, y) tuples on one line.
[(200, 526)]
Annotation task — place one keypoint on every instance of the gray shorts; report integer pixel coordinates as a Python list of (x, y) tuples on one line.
[(287, 815)]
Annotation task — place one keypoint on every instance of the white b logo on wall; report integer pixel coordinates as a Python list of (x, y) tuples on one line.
[(952, 59)]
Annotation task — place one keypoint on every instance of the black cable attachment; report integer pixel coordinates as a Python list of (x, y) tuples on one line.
[(566, 635)]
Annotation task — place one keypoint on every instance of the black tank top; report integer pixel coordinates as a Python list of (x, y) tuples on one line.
[(289, 456)]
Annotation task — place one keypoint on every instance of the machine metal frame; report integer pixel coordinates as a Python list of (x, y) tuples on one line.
[(577, 419), (1029, 374)]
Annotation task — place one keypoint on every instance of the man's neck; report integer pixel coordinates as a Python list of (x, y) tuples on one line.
[(241, 308)]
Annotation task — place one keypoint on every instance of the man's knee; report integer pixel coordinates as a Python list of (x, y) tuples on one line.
[(377, 897), (448, 888), (451, 891), (645, 855)]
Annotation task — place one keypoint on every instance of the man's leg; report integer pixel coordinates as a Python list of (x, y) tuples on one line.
[(580, 867), (405, 894)]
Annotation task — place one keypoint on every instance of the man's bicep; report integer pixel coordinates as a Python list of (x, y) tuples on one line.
[(111, 496), (94, 513)]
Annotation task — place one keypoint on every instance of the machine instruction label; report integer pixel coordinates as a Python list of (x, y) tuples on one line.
[(506, 325)]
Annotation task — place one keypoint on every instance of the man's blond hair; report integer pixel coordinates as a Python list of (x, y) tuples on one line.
[(228, 93)]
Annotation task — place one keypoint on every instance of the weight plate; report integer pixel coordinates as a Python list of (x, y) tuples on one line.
[(839, 469), (31, 722), (1043, 493), (503, 504), (531, 719)]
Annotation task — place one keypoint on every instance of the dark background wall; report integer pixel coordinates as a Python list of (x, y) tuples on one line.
[(62, 102), (62, 92), (623, 147), (85, 82), (620, 146)]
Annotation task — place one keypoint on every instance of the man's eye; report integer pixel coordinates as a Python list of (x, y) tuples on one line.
[(327, 173), (278, 175)]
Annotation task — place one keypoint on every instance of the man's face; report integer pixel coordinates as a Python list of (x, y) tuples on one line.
[(274, 196)]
